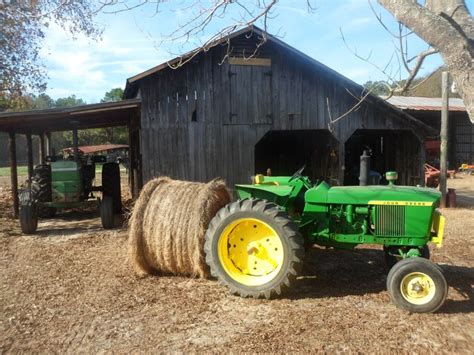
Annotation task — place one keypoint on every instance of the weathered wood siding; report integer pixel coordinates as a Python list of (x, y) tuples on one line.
[(204, 119), (463, 146), (461, 134)]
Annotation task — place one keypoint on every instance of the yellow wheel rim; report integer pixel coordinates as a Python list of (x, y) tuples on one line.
[(417, 288), (250, 251)]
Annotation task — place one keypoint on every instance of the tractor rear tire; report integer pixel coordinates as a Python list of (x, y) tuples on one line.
[(111, 185), (42, 190), (391, 260), (417, 285), (28, 213), (254, 248), (107, 212)]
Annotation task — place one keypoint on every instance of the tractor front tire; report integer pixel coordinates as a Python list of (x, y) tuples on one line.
[(111, 185), (41, 188), (254, 248), (28, 213), (391, 259), (417, 285), (107, 212)]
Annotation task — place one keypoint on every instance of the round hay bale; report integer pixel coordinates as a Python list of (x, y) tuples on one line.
[(168, 224)]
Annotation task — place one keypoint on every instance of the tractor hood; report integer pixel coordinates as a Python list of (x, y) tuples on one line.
[(393, 194)]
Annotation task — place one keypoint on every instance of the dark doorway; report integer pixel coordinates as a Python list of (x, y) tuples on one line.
[(284, 152), (391, 150)]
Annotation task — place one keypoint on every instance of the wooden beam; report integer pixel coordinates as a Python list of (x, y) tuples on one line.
[(131, 162), (13, 172), (262, 62), (75, 144), (41, 150), (422, 154), (29, 151), (443, 159), (48, 143)]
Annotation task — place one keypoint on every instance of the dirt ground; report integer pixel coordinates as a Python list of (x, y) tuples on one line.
[(70, 289)]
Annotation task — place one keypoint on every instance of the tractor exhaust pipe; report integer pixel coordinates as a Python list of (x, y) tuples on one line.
[(364, 168)]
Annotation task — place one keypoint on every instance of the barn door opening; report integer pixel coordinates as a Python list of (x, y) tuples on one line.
[(284, 152), (391, 150), (250, 93)]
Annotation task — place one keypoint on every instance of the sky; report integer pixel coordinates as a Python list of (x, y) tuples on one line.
[(132, 42)]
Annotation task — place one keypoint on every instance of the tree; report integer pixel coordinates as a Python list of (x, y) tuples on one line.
[(26, 102), (22, 29), (69, 101), (448, 28), (115, 94), (43, 101), (115, 134), (380, 88)]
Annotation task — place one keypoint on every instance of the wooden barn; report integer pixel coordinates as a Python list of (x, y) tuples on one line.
[(242, 107)]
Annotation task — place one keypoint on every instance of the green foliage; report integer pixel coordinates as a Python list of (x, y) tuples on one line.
[(380, 88), (69, 101), (115, 94), (117, 135), (40, 102), (43, 101)]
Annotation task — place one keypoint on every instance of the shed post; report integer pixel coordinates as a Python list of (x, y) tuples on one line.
[(13, 172), (41, 151), (48, 143), (443, 168), (422, 163), (131, 162), (75, 143), (29, 151)]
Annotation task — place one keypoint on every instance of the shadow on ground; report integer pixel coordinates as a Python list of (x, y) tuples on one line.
[(336, 273), (71, 223)]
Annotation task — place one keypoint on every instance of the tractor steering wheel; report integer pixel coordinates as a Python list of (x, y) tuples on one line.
[(297, 174)]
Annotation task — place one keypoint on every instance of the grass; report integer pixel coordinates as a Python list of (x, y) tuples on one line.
[(23, 170)]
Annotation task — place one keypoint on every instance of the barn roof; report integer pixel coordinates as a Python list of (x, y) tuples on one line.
[(131, 86), (426, 103), (107, 114)]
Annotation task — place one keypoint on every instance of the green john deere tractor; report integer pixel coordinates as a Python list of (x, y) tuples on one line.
[(67, 182), (255, 246)]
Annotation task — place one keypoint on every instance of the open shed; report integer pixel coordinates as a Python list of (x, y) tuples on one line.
[(460, 127), (44, 122)]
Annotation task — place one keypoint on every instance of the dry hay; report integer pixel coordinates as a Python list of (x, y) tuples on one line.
[(168, 224)]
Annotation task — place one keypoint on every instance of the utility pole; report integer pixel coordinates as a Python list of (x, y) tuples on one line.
[(443, 159)]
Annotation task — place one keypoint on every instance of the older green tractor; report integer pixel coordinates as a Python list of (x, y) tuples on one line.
[(255, 245), (66, 182)]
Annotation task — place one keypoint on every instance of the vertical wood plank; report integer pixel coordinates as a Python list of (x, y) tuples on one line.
[(41, 150), (13, 172), (29, 153)]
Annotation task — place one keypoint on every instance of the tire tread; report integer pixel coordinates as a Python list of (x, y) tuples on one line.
[(295, 244)]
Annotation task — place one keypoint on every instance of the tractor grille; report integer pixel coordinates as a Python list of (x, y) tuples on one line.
[(390, 220)]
